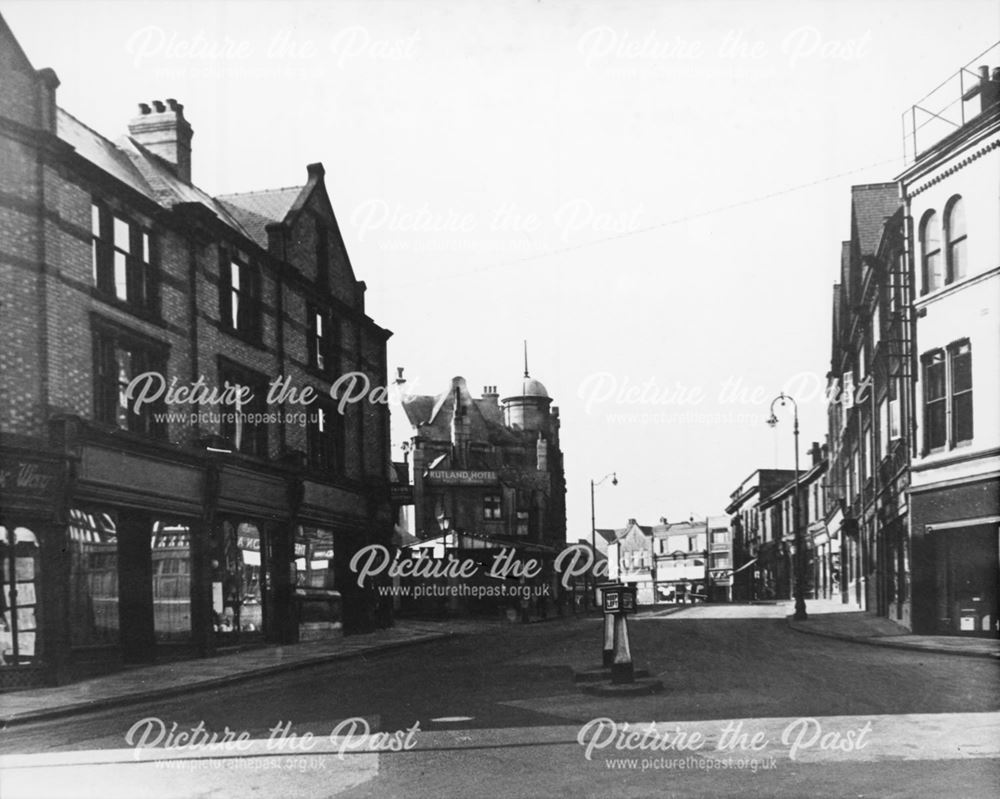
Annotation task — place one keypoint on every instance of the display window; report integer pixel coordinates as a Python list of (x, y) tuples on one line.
[(93, 579), (239, 579), (19, 575), (171, 553)]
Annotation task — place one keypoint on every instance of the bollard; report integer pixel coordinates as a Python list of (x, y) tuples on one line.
[(609, 639), (622, 670)]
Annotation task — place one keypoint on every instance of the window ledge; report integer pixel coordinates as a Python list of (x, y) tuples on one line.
[(147, 315), (256, 341)]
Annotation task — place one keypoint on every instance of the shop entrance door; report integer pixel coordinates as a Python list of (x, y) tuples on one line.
[(241, 582), (971, 563)]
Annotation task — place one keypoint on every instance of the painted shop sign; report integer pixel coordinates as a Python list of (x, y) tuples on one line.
[(29, 479)]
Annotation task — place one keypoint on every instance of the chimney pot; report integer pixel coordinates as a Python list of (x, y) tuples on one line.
[(166, 134)]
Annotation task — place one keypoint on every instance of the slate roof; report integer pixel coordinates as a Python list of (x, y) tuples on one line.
[(92, 146), (255, 210), (148, 174), (871, 205), (433, 414)]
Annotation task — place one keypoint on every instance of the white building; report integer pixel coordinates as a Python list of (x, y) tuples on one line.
[(951, 192)]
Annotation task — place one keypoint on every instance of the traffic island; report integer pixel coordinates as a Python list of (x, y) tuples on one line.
[(623, 678), (638, 687), (603, 673)]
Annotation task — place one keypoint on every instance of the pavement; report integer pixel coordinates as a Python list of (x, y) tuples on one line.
[(832, 619), (136, 685)]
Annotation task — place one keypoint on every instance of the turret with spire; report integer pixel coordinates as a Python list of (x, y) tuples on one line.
[(530, 409)]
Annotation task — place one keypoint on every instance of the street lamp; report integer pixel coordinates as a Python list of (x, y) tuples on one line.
[(593, 521), (800, 552)]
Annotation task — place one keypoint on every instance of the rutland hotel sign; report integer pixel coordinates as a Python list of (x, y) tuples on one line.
[(461, 477)]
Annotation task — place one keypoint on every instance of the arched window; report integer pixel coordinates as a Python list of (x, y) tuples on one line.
[(930, 252), (955, 239)]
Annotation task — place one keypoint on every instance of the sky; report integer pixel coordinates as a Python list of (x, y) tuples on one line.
[(651, 194)]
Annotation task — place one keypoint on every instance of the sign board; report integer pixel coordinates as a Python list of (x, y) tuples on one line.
[(461, 477), (401, 494), (619, 598), (28, 480)]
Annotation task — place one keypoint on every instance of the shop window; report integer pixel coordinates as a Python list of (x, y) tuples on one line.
[(314, 557), (325, 436), (930, 253), (19, 581), (238, 579), (492, 507), (171, 554), (119, 357), (240, 295), (955, 239), (245, 426), (123, 256), (93, 579)]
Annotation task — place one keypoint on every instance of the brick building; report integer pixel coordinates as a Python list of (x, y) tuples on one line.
[(139, 527), (487, 473), (755, 556), (681, 553), (870, 400)]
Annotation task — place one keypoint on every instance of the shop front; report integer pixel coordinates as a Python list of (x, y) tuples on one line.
[(956, 559), (31, 521), (117, 551)]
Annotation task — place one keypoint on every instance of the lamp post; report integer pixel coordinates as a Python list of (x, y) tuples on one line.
[(800, 552), (593, 522)]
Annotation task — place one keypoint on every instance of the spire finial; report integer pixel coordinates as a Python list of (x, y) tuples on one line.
[(526, 358)]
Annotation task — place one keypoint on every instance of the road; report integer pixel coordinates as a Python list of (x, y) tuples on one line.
[(777, 713)]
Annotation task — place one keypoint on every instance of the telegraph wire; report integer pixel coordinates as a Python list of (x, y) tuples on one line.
[(650, 228)]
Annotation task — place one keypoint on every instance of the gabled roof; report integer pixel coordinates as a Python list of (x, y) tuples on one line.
[(432, 415), (606, 533), (171, 190), (138, 168), (686, 527), (871, 205), (255, 210)]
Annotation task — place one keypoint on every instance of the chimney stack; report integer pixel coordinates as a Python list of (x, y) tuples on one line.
[(163, 130), (817, 453)]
